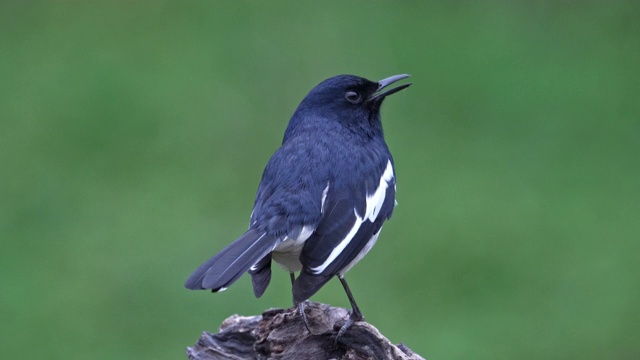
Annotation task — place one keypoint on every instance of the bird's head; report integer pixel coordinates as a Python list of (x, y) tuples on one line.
[(351, 100)]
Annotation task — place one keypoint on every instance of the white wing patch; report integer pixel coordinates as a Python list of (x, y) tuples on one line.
[(324, 197), (374, 204), (362, 253), (375, 200), (341, 246)]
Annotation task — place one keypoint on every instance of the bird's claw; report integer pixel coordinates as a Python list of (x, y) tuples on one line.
[(354, 316), (303, 315)]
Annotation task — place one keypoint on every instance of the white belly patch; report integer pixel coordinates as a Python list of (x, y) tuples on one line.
[(287, 253)]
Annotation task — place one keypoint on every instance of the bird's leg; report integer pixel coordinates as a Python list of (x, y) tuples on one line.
[(301, 306), (355, 315)]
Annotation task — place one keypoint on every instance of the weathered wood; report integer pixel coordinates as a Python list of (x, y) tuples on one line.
[(281, 334)]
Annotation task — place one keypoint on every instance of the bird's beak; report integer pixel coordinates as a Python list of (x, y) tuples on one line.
[(379, 94)]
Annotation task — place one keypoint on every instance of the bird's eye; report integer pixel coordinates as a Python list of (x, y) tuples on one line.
[(352, 96)]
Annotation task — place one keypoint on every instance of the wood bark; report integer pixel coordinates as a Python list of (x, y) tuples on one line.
[(281, 334)]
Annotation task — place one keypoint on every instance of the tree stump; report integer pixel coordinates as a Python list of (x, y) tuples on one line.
[(281, 334)]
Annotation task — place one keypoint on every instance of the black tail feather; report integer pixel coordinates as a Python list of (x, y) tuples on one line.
[(228, 265), (261, 275)]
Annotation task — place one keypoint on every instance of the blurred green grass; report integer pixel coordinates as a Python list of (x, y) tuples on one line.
[(133, 136)]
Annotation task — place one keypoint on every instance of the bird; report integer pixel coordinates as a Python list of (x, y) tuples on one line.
[(323, 197)]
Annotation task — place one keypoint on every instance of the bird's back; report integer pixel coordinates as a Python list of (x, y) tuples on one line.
[(290, 195)]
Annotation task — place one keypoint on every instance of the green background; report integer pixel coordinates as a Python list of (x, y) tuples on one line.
[(133, 137)]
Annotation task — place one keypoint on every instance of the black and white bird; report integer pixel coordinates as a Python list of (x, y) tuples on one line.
[(323, 197)]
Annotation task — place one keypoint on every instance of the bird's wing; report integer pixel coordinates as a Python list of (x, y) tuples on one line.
[(351, 218), (289, 194)]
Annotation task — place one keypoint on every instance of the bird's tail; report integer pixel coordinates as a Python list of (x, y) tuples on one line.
[(261, 275), (228, 265)]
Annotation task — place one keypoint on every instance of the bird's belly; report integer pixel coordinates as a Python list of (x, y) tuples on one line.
[(287, 254)]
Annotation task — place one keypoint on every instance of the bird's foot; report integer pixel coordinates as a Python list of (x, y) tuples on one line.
[(303, 315), (354, 316)]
